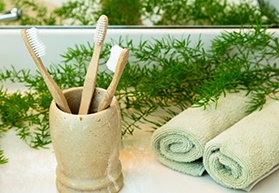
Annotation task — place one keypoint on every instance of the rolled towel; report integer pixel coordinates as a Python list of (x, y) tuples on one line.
[(247, 152), (180, 143)]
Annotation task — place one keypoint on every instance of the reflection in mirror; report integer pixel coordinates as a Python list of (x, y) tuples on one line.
[(143, 12), (10, 15)]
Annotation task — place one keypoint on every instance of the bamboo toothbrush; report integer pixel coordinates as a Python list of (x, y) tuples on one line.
[(37, 49), (92, 71), (116, 63)]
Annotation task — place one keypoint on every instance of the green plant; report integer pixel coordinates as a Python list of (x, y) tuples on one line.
[(34, 13), (122, 13), (269, 12), (83, 12), (165, 75), (2, 6), (209, 12), (3, 160), (86, 12), (243, 60), (159, 12)]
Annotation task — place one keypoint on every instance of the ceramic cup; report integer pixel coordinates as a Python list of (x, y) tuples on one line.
[(86, 147)]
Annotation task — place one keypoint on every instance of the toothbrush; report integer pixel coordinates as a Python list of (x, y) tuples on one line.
[(92, 71), (116, 63), (37, 49)]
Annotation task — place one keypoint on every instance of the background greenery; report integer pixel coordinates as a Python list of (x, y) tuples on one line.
[(136, 12)]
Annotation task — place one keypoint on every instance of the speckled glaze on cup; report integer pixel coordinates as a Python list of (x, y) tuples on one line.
[(86, 147)]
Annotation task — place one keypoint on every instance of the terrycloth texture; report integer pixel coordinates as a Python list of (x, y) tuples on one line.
[(248, 151), (180, 143)]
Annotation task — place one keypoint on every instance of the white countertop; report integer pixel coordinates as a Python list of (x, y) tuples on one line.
[(32, 171)]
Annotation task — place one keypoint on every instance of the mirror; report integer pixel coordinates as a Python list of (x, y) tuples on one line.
[(140, 12)]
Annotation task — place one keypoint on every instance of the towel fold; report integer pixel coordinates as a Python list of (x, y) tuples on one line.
[(180, 143), (247, 152)]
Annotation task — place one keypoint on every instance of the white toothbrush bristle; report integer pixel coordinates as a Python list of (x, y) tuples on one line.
[(101, 29), (115, 52), (37, 45)]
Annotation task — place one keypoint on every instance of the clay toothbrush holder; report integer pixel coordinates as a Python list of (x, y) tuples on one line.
[(86, 147)]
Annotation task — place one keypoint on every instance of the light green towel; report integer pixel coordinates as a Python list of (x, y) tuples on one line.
[(248, 151), (179, 144)]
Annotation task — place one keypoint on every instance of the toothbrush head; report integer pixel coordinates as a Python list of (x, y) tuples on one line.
[(36, 44), (101, 29), (115, 52)]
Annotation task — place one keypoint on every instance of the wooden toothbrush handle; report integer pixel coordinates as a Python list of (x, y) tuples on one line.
[(90, 81), (54, 89), (108, 95), (56, 92)]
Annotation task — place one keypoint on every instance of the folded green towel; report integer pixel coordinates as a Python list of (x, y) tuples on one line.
[(179, 144), (247, 152)]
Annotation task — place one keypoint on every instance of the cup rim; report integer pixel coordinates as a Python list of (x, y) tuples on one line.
[(113, 102)]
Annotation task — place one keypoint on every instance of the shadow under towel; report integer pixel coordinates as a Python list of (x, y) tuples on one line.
[(247, 152), (180, 143)]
